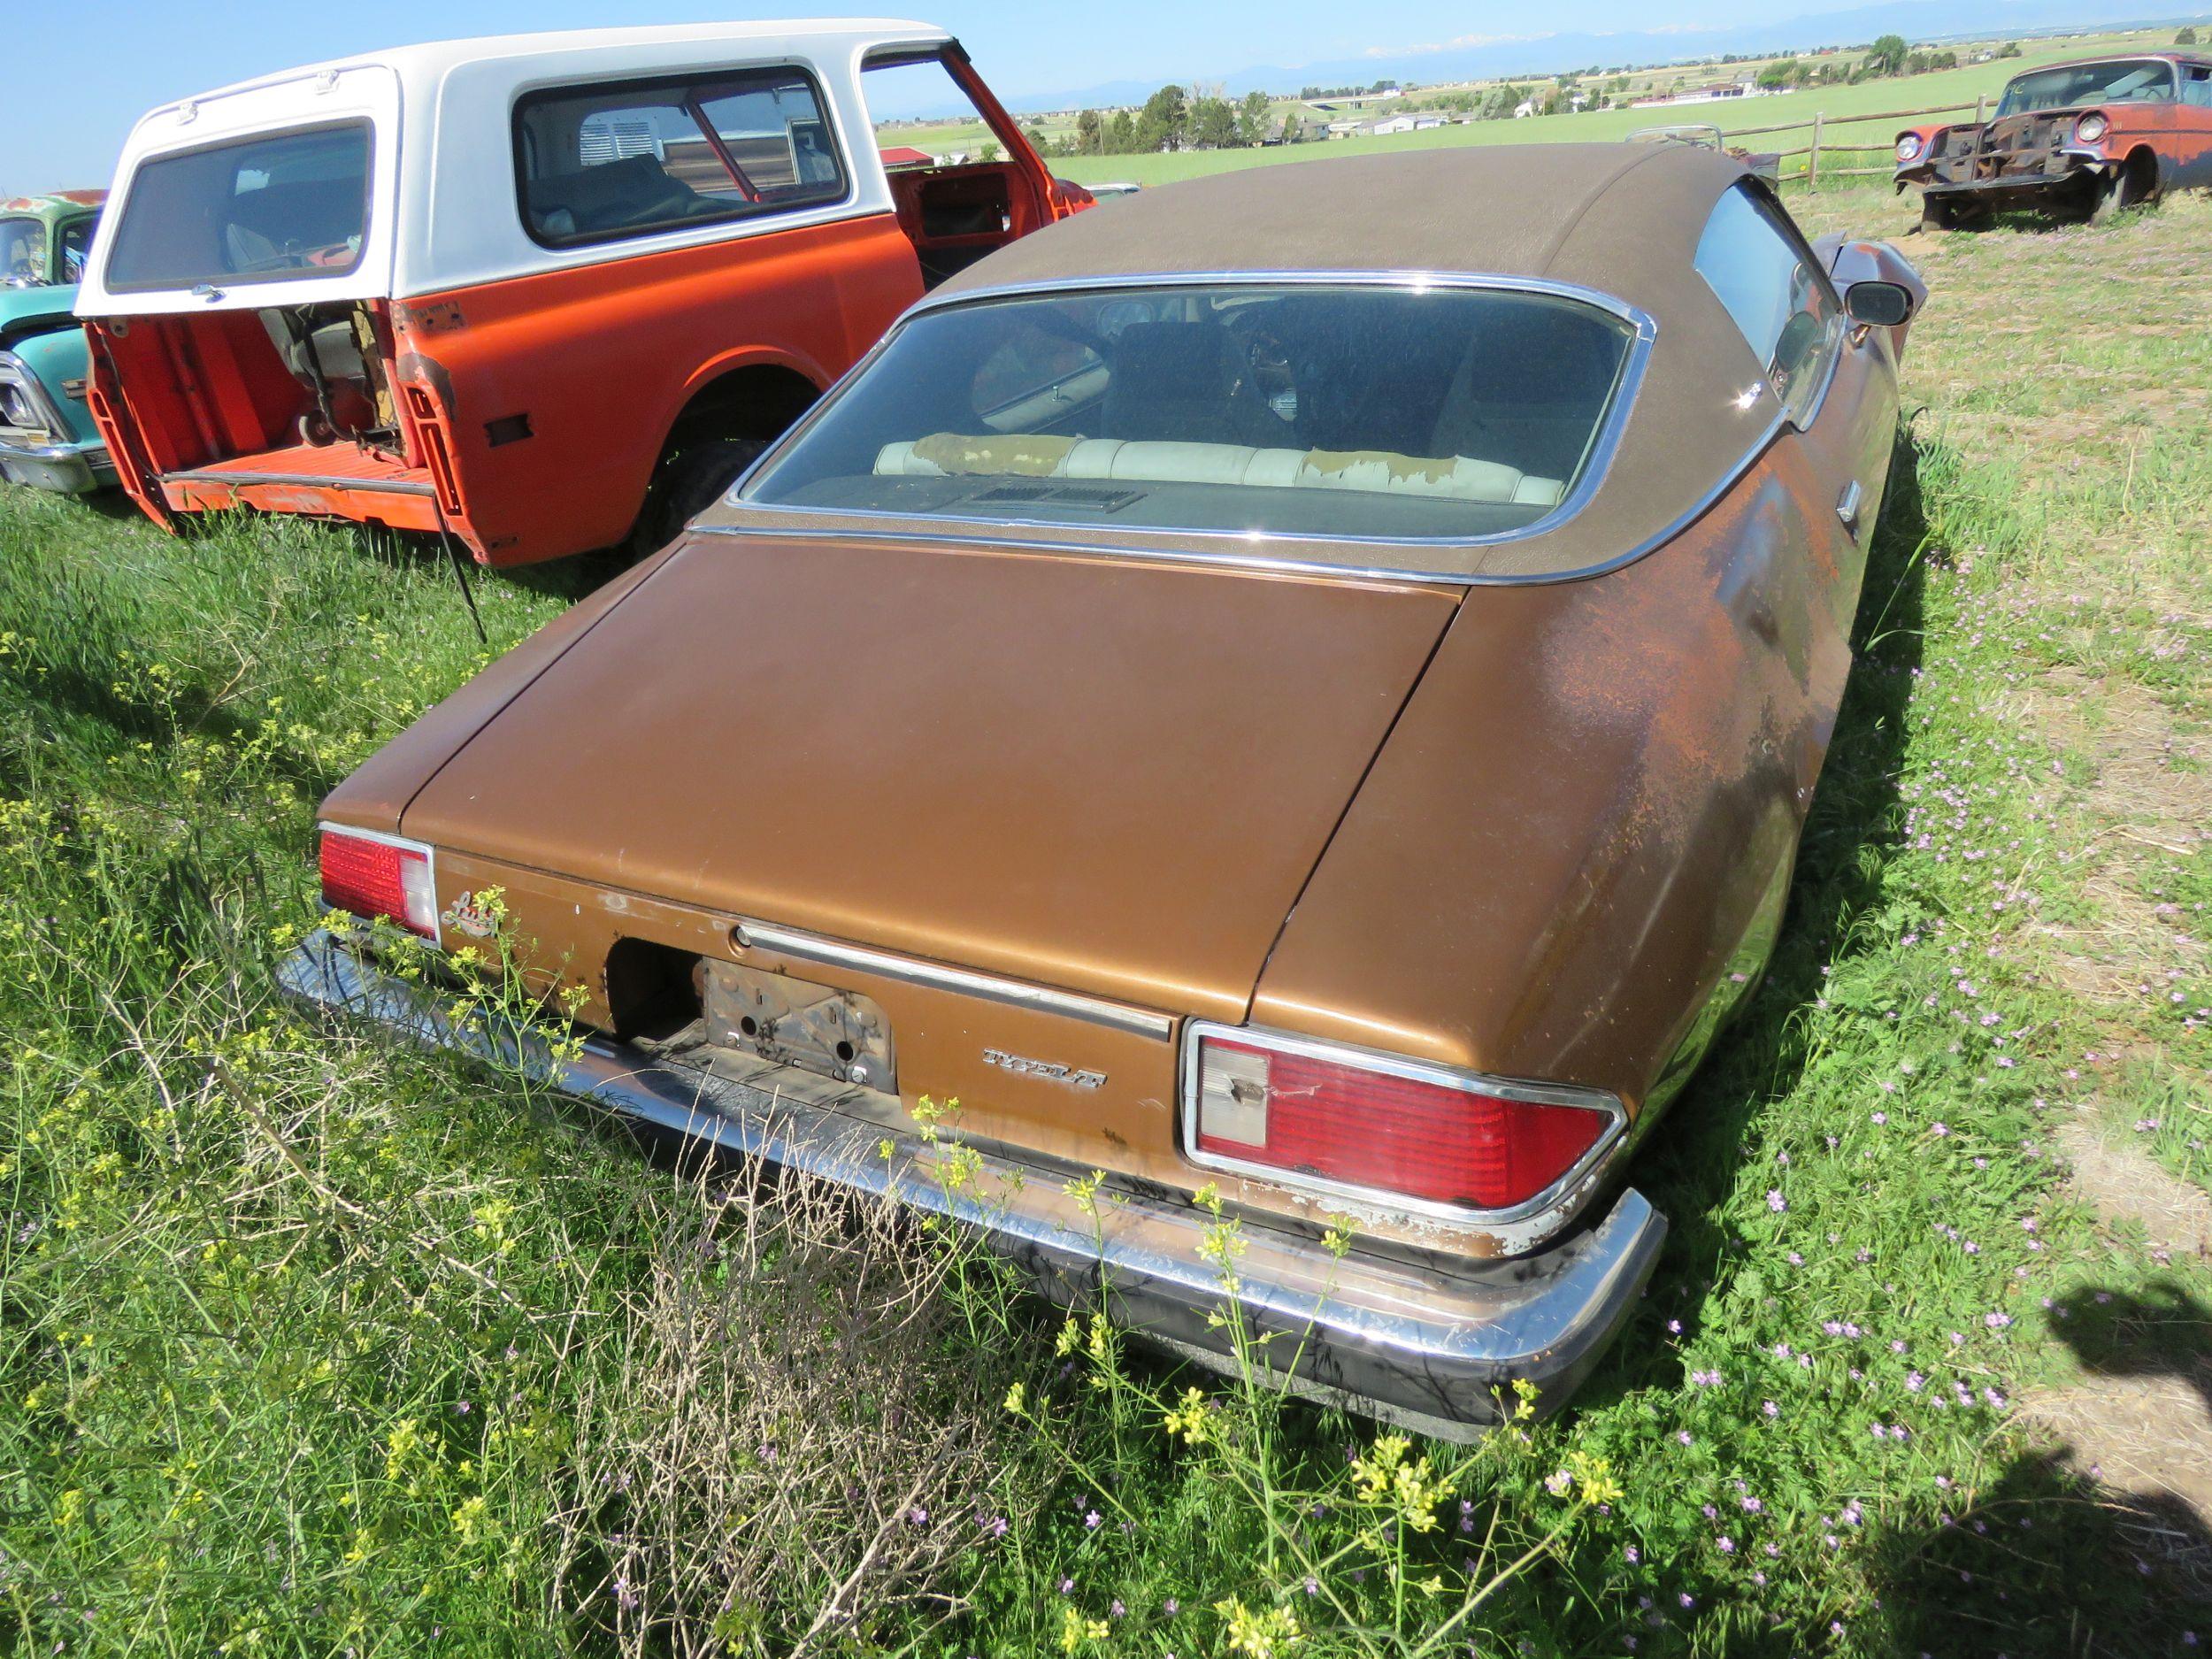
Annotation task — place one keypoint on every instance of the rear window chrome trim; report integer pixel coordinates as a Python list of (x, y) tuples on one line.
[(1644, 331), (1561, 1194)]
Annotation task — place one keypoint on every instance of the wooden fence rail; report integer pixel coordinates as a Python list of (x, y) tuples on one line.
[(1812, 172)]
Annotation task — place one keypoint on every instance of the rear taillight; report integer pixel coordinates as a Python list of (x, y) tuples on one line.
[(374, 876), (1345, 1118)]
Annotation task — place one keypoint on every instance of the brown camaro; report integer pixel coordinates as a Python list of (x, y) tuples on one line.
[(1309, 682)]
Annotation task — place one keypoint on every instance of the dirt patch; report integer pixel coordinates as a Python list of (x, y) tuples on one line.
[(2145, 806), (2128, 1185), (2147, 1440)]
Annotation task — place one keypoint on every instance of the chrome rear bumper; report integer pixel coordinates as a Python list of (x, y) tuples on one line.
[(1425, 1343)]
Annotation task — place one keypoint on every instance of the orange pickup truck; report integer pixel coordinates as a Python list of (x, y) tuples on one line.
[(542, 293)]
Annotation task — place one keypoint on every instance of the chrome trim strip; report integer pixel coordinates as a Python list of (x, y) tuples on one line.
[(311, 480), (1385, 1333), (792, 941), (1604, 442), (437, 921), (1403, 277), (1562, 1195)]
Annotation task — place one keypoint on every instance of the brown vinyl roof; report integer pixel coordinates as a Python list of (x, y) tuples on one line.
[(1516, 209), (1622, 219)]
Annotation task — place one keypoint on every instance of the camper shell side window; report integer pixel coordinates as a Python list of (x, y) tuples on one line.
[(615, 160)]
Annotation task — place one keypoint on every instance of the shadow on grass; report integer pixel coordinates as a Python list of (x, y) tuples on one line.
[(2089, 1568), (568, 580)]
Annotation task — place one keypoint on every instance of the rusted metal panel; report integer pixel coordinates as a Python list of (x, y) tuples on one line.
[(789, 1021)]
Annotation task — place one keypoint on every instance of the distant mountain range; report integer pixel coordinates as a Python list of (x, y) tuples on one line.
[(1479, 57)]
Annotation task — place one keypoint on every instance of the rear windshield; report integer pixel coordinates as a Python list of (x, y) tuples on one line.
[(1310, 411), (2144, 81), (280, 205)]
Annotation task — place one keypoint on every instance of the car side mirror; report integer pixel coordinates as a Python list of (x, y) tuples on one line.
[(1878, 304)]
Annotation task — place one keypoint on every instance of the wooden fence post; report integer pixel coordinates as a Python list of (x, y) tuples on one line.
[(1812, 157), (1981, 108)]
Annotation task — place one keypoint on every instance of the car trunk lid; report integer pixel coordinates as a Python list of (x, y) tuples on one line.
[(1105, 775)]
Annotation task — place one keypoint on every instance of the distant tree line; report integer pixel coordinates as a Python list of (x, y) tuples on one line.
[(1171, 119), (1309, 94), (1178, 118)]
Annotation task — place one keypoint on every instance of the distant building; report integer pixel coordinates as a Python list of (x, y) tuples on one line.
[(1402, 124), (1712, 92), (905, 155)]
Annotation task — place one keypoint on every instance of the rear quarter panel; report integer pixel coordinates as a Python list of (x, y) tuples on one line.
[(1592, 798)]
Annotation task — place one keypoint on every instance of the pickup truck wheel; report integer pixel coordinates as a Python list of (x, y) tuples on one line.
[(1936, 215), (688, 483)]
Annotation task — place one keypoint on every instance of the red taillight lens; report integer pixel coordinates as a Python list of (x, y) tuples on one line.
[(1334, 1120), (380, 876)]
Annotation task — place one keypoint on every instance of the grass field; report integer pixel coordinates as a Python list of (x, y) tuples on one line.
[(1836, 104), (311, 1346)]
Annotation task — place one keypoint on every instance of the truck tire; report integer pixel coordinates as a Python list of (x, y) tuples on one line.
[(687, 485)]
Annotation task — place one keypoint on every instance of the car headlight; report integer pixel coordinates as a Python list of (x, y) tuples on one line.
[(2091, 128), (1909, 147), (16, 408)]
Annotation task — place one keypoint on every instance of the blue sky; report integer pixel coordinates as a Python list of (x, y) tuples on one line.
[(83, 70)]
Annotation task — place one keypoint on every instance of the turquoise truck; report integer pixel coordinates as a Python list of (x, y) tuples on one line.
[(47, 436)]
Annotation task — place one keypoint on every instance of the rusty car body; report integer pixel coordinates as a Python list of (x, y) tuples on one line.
[(1765, 163), (541, 293), (1273, 688), (2080, 139)]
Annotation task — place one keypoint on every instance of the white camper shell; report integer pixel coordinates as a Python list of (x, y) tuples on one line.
[(440, 207)]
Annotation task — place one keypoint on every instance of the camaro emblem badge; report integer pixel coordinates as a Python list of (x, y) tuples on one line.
[(470, 917), (1047, 1070)]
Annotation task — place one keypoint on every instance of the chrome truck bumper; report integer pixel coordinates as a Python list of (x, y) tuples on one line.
[(70, 469), (1423, 1343)]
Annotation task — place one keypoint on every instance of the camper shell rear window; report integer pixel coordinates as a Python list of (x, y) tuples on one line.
[(271, 207)]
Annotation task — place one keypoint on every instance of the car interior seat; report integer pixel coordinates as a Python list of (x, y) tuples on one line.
[(1183, 382), (615, 196), (1526, 393)]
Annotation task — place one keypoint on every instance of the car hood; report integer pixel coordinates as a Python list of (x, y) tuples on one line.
[(21, 306), (1105, 775)]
